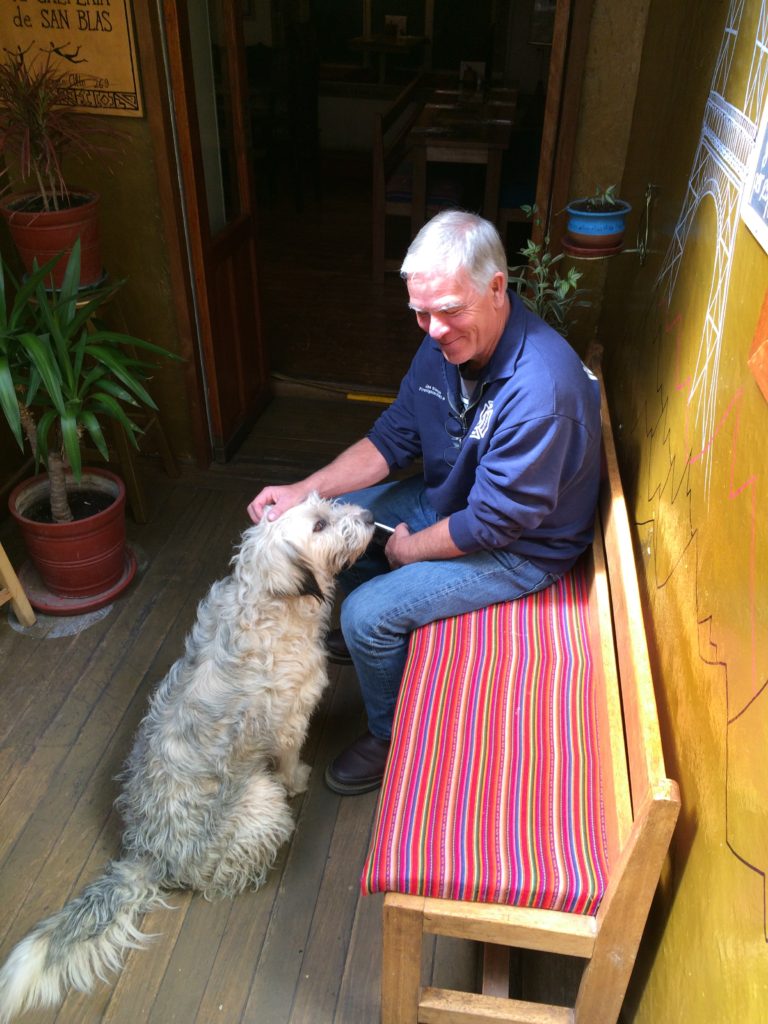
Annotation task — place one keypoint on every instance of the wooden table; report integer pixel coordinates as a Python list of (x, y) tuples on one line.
[(452, 130), (386, 45)]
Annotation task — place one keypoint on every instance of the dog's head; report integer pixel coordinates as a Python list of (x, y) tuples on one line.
[(301, 551)]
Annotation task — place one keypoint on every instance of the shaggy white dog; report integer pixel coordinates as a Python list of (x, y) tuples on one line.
[(205, 785)]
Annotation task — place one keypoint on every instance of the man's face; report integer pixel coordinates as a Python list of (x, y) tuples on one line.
[(465, 323)]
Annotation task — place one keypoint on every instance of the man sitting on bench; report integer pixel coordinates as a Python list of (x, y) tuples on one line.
[(506, 420)]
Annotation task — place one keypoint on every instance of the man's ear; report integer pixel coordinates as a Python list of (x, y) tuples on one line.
[(498, 289)]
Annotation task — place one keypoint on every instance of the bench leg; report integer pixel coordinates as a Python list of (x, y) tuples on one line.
[(496, 970), (401, 966), (624, 910)]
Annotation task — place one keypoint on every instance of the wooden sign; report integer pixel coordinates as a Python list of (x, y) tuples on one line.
[(92, 39)]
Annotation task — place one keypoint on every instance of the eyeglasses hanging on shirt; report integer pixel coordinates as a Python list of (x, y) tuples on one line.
[(457, 424)]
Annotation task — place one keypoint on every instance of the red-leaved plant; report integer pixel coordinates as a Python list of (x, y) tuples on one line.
[(38, 126)]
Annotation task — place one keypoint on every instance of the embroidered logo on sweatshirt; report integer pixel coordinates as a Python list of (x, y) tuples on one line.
[(483, 421), (430, 389)]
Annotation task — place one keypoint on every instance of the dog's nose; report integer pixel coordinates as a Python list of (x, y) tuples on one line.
[(368, 517)]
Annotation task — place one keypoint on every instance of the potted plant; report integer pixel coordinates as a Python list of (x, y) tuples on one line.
[(596, 224), (38, 128), (61, 374), (540, 285)]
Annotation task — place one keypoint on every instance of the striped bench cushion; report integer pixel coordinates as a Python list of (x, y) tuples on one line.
[(493, 789)]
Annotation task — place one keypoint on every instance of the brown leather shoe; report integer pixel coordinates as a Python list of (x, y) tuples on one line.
[(359, 768), (336, 648)]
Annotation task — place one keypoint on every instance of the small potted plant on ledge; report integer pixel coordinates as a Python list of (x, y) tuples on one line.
[(38, 128), (542, 288), (61, 374), (596, 224)]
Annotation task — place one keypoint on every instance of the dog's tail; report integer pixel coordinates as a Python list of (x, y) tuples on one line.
[(83, 942)]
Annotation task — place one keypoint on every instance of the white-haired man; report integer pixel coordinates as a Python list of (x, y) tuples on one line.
[(506, 421)]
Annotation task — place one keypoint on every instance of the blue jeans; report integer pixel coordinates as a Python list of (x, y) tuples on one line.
[(382, 606)]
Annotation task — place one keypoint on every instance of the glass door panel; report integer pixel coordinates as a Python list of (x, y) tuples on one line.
[(213, 91)]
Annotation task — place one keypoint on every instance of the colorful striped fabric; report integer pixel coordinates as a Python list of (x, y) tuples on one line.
[(493, 790)]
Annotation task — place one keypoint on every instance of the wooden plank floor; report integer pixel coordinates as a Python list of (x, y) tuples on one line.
[(306, 947), (324, 318)]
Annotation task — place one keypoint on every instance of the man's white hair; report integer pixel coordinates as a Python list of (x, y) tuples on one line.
[(456, 241)]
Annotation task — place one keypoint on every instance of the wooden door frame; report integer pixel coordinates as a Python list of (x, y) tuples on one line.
[(561, 113), (201, 244), (149, 36), (162, 33)]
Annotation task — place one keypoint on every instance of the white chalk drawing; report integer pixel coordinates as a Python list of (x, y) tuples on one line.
[(719, 170)]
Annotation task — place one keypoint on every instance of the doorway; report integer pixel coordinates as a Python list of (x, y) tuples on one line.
[(311, 92)]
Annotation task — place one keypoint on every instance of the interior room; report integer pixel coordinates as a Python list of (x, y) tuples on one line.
[(317, 75)]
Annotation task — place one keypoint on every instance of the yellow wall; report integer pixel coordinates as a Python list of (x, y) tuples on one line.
[(135, 248), (692, 427)]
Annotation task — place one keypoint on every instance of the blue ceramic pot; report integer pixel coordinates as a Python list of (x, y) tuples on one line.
[(596, 229)]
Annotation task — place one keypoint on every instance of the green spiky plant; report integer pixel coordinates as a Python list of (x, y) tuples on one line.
[(540, 285), (62, 372)]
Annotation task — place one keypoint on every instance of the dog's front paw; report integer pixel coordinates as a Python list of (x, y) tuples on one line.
[(297, 780)]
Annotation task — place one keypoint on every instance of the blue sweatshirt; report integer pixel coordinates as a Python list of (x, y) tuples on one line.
[(519, 470)]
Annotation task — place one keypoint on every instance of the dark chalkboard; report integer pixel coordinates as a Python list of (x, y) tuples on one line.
[(754, 203)]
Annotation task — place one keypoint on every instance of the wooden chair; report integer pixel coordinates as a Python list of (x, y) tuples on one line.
[(518, 185), (510, 215), (393, 170), (11, 590), (390, 149)]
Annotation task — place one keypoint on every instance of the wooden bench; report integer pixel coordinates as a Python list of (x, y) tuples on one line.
[(525, 802), (392, 174)]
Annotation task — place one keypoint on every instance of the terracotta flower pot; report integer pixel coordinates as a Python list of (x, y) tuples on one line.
[(85, 559), (40, 235)]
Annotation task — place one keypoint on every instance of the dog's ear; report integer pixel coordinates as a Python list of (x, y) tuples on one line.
[(308, 585), (299, 580)]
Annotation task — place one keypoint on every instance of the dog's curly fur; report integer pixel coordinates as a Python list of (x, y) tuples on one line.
[(205, 785)]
